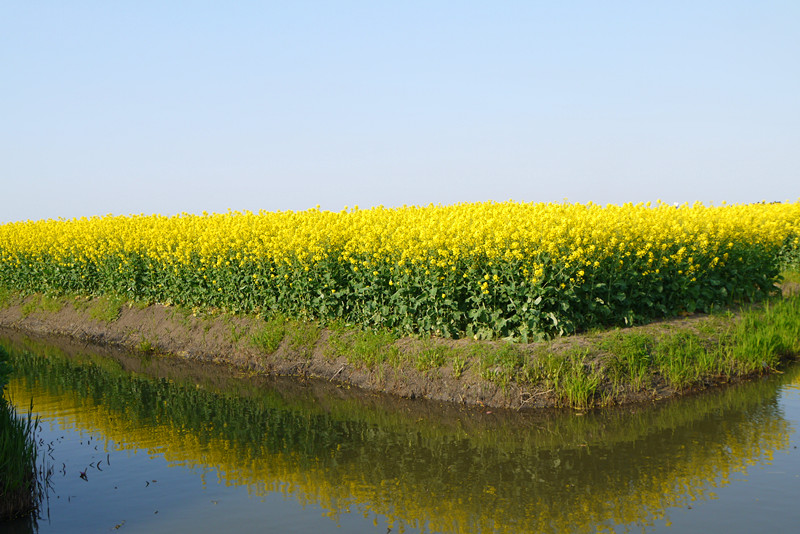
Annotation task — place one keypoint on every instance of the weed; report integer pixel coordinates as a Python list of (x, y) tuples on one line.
[(79, 303), (499, 364), (631, 358), (41, 303), (303, 335), (364, 347), (269, 337), (678, 358), (146, 345), (106, 308), (6, 297), (459, 364), (579, 380), (763, 338), (237, 331), (432, 357), (792, 276), (19, 486), (185, 315)]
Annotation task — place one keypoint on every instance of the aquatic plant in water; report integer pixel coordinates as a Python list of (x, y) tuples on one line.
[(23, 483)]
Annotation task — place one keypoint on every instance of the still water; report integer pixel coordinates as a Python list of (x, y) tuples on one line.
[(145, 444)]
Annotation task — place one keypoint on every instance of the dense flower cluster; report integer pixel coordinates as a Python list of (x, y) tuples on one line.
[(479, 269)]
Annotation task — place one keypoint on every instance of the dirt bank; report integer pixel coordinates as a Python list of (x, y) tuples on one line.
[(229, 339)]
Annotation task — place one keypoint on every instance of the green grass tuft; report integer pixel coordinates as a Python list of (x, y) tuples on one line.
[(106, 308), (40, 303), (498, 364), (432, 356), (6, 297), (268, 338), (364, 348), (631, 358), (302, 337)]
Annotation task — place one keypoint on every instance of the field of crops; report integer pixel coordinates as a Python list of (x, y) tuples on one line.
[(477, 269)]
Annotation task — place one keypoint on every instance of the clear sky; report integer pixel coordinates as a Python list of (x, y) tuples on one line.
[(166, 106)]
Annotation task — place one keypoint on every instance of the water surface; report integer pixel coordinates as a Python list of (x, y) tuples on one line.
[(170, 446)]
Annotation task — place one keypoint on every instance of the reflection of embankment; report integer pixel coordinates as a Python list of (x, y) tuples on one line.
[(469, 474)]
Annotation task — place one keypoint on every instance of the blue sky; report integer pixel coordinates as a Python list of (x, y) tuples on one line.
[(166, 107)]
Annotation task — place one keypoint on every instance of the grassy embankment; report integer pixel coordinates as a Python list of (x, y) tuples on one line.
[(597, 368)]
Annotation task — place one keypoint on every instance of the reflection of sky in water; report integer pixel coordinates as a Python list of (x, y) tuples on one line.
[(267, 465), (762, 498), (137, 489)]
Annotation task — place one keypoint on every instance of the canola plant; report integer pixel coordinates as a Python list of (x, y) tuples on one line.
[(527, 270)]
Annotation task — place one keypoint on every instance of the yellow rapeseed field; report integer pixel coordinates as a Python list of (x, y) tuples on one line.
[(478, 269)]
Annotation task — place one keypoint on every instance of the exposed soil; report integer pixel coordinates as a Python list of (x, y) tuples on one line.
[(226, 339)]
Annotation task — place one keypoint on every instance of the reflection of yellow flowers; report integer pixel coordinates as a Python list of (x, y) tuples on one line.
[(337, 477)]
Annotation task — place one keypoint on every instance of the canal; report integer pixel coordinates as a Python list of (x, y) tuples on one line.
[(138, 443)]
